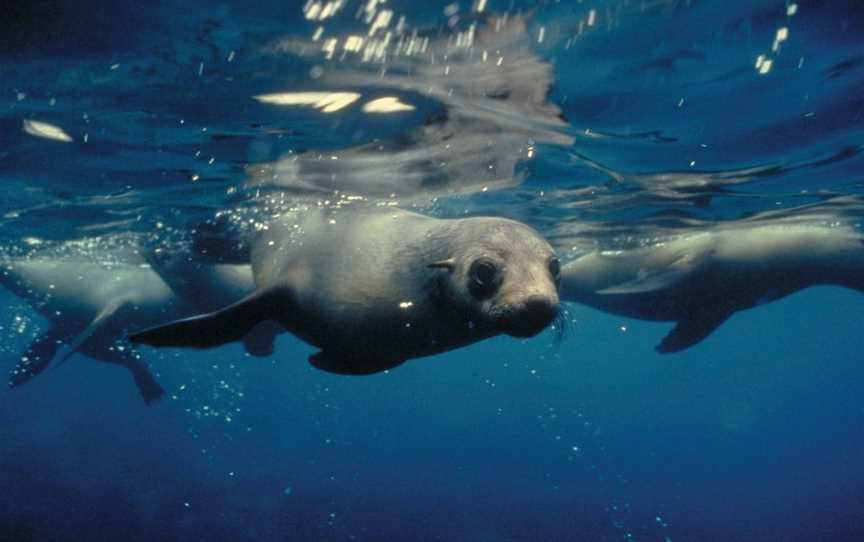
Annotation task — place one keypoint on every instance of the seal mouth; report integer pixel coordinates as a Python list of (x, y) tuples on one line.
[(527, 318)]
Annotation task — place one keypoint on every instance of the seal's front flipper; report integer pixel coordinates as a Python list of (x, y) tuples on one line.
[(38, 355), (662, 277), (147, 385), (217, 328), (691, 331), (259, 341), (338, 363)]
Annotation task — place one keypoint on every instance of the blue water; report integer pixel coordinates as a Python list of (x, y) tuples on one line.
[(755, 434)]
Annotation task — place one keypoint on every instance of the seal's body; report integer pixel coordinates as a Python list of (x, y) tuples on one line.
[(374, 288), (700, 280), (91, 306)]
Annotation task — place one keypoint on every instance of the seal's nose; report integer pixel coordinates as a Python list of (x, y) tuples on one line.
[(531, 316)]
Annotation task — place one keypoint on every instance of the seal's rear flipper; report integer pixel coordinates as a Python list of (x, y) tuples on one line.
[(346, 365), (147, 385), (44, 349), (38, 356), (691, 331), (217, 328)]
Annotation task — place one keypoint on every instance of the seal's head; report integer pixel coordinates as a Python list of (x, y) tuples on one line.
[(502, 275)]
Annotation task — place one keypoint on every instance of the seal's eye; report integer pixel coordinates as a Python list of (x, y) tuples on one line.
[(484, 275), (555, 268)]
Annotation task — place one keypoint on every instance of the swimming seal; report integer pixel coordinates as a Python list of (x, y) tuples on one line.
[(91, 305), (700, 280), (374, 288)]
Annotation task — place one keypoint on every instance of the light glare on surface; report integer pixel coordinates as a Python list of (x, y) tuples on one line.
[(327, 102), (353, 43), (387, 104), (46, 131), (381, 21), (319, 11)]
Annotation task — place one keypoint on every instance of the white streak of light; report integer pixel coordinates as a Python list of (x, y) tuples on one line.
[(381, 21), (353, 43), (327, 102), (387, 104), (46, 131)]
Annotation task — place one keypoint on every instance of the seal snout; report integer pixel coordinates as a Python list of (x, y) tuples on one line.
[(529, 317)]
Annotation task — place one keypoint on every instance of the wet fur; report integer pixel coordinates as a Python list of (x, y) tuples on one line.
[(358, 284), (701, 280), (91, 306)]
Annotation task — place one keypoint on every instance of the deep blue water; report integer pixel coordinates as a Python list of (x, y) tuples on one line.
[(755, 434)]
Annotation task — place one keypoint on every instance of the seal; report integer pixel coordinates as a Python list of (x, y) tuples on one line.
[(201, 286), (91, 305), (700, 280), (373, 288)]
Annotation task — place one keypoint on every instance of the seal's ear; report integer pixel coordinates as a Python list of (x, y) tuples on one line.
[(216, 328), (449, 264)]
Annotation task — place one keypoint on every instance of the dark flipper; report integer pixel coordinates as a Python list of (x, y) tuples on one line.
[(146, 382), (346, 365), (691, 331), (38, 356), (259, 341), (147, 385), (217, 328)]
